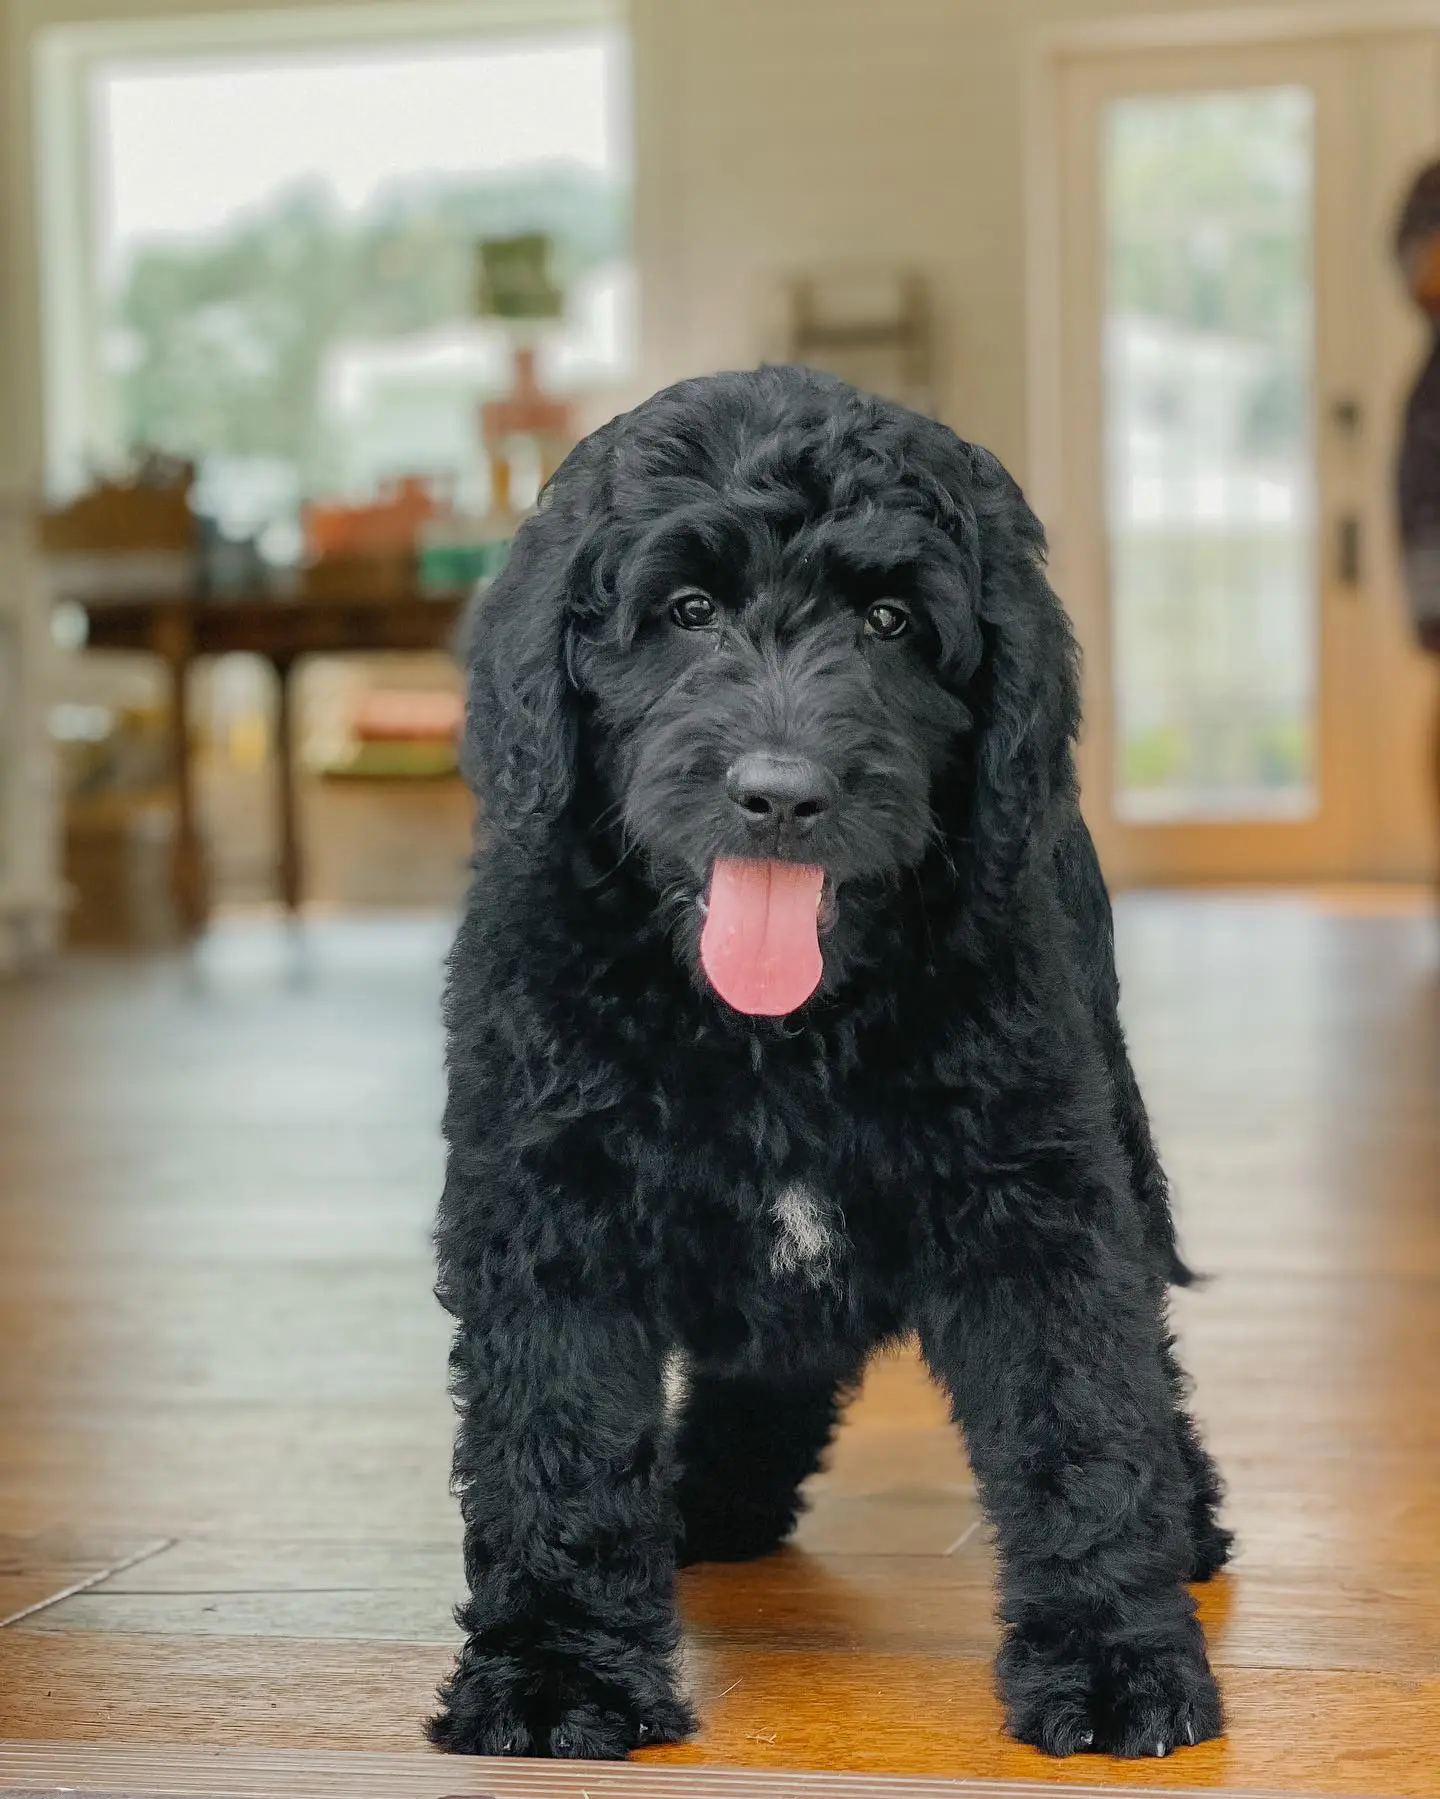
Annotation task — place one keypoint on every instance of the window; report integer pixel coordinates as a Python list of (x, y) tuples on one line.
[(280, 268)]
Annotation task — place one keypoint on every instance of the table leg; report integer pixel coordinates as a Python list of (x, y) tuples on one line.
[(287, 806), (187, 867)]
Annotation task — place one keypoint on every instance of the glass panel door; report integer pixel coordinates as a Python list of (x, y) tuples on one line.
[(1210, 479), (1210, 235), (1223, 352)]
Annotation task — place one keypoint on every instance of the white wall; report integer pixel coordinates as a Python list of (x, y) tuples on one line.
[(770, 133), (775, 132)]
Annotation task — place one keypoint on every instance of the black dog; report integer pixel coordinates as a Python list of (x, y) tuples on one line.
[(782, 1022)]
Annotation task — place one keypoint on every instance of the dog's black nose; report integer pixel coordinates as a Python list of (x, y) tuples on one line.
[(788, 791)]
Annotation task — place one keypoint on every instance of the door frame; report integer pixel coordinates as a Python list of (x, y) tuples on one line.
[(1392, 832)]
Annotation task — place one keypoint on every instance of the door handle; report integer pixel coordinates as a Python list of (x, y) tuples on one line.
[(1349, 556)]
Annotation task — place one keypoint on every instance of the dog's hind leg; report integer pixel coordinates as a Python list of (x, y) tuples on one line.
[(744, 1446), (1211, 1543)]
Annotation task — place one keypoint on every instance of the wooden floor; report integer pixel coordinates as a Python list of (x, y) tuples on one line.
[(224, 1433)]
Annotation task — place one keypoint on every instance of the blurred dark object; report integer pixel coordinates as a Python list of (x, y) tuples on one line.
[(228, 565), (872, 327), (179, 631), (1417, 236), (1417, 249)]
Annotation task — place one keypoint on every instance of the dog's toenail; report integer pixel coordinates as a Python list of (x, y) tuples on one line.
[(1190, 1734), (510, 1745), (1085, 1739), (1162, 1748)]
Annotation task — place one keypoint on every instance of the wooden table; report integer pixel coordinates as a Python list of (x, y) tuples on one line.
[(180, 630)]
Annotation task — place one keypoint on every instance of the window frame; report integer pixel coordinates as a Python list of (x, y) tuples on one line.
[(73, 387)]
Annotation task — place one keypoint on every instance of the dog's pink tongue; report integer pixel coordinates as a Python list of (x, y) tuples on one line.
[(761, 942)]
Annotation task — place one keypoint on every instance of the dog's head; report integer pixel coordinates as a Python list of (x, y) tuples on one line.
[(782, 642)]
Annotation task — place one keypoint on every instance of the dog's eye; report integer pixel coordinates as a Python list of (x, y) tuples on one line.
[(693, 609), (886, 619)]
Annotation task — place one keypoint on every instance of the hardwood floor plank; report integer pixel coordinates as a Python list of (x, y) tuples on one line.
[(1291, 1730), (109, 1771), (43, 1568)]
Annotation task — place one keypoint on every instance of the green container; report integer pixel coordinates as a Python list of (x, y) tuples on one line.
[(444, 567)]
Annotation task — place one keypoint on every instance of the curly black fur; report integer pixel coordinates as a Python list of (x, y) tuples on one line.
[(954, 1110)]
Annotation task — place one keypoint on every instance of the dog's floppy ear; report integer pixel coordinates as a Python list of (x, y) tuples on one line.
[(1027, 691), (522, 705)]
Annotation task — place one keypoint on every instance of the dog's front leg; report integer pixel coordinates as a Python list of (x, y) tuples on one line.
[(562, 1472), (1053, 1362)]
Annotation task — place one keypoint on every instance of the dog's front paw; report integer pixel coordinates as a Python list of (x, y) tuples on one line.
[(549, 1704), (1142, 1698)]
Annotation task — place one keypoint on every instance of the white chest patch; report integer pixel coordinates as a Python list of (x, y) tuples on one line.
[(677, 1386), (804, 1235)]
